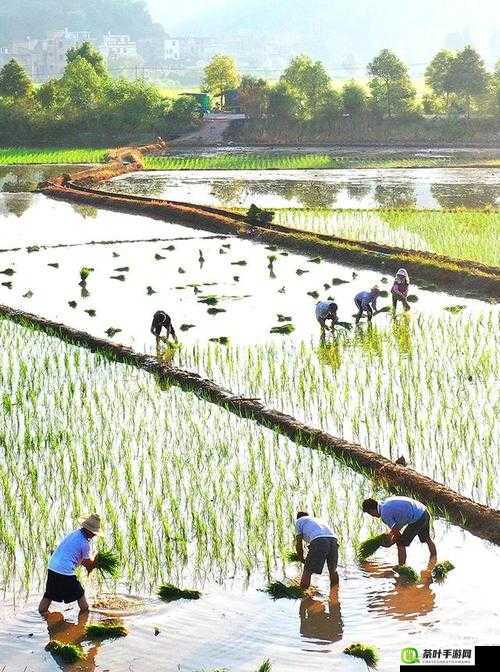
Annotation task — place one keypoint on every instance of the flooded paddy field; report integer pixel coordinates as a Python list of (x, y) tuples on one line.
[(432, 188), (193, 495), (64, 451)]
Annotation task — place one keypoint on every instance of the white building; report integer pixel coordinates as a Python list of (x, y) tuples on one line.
[(172, 49), (118, 47)]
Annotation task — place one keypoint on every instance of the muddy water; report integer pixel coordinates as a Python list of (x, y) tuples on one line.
[(355, 188), (252, 285), (236, 627)]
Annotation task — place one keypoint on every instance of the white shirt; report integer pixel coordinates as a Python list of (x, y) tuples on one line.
[(310, 528), (69, 554)]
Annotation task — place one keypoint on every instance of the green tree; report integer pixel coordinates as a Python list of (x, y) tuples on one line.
[(438, 74), (81, 84), (329, 111), (354, 99), (220, 75), (468, 76), (310, 79), (284, 102), (14, 81), (89, 53), (390, 83), (253, 96)]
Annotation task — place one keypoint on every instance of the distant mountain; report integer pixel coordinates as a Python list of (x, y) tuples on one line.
[(35, 18), (340, 30)]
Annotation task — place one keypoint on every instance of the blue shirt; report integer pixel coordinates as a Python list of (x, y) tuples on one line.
[(69, 554), (324, 309), (366, 298), (400, 511)]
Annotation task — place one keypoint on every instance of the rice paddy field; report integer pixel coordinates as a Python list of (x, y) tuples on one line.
[(195, 496)]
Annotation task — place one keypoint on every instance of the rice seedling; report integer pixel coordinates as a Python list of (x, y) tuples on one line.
[(283, 329), (370, 546), (279, 590), (105, 630), (292, 556), (85, 271), (56, 155), (170, 593), (107, 562), (462, 234), (366, 652), (265, 666), (407, 573), (69, 653), (440, 571)]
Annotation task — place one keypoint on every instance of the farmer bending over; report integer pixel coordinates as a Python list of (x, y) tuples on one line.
[(162, 320), (366, 302), (74, 550), (327, 310), (399, 289), (323, 547), (396, 512)]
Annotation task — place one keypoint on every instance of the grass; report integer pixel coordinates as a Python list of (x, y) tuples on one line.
[(105, 630), (278, 590), (313, 161), (462, 234), (107, 562), (170, 592), (369, 547), (69, 653), (366, 652), (407, 573), (440, 571), (40, 155)]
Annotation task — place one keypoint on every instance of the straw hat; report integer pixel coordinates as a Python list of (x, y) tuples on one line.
[(92, 523)]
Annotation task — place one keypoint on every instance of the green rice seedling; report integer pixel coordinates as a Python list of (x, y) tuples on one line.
[(265, 666), (454, 309), (278, 590), (283, 329), (170, 592), (292, 556), (69, 653), (407, 573), (366, 652), (107, 562), (210, 300), (85, 271), (105, 630), (368, 547), (440, 571)]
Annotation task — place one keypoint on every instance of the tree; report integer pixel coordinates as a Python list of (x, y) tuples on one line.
[(468, 76), (329, 110), (221, 75), (390, 83), (14, 81), (81, 83), (253, 96), (354, 99), (310, 79), (89, 53), (438, 74), (284, 102)]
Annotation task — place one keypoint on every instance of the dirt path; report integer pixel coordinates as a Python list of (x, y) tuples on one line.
[(211, 132)]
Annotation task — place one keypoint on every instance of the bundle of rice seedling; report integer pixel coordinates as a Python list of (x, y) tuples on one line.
[(369, 547), (278, 589), (283, 329), (85, 271), (441, 570), (408, 573), (265, 666), (107, 562), (69, 653), (105, 630), (170, 592), (366, 652), (292, 557)]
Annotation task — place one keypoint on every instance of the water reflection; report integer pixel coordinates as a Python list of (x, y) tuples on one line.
[(403, 601), (465, 195), (15, 204), (228, 191), (395, 195), (69, 632), (321, 620)]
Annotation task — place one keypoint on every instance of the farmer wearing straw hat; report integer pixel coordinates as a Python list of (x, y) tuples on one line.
[(366, 302), (74, 550)]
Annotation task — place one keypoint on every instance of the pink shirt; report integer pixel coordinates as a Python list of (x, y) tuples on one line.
[(400, 287)]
